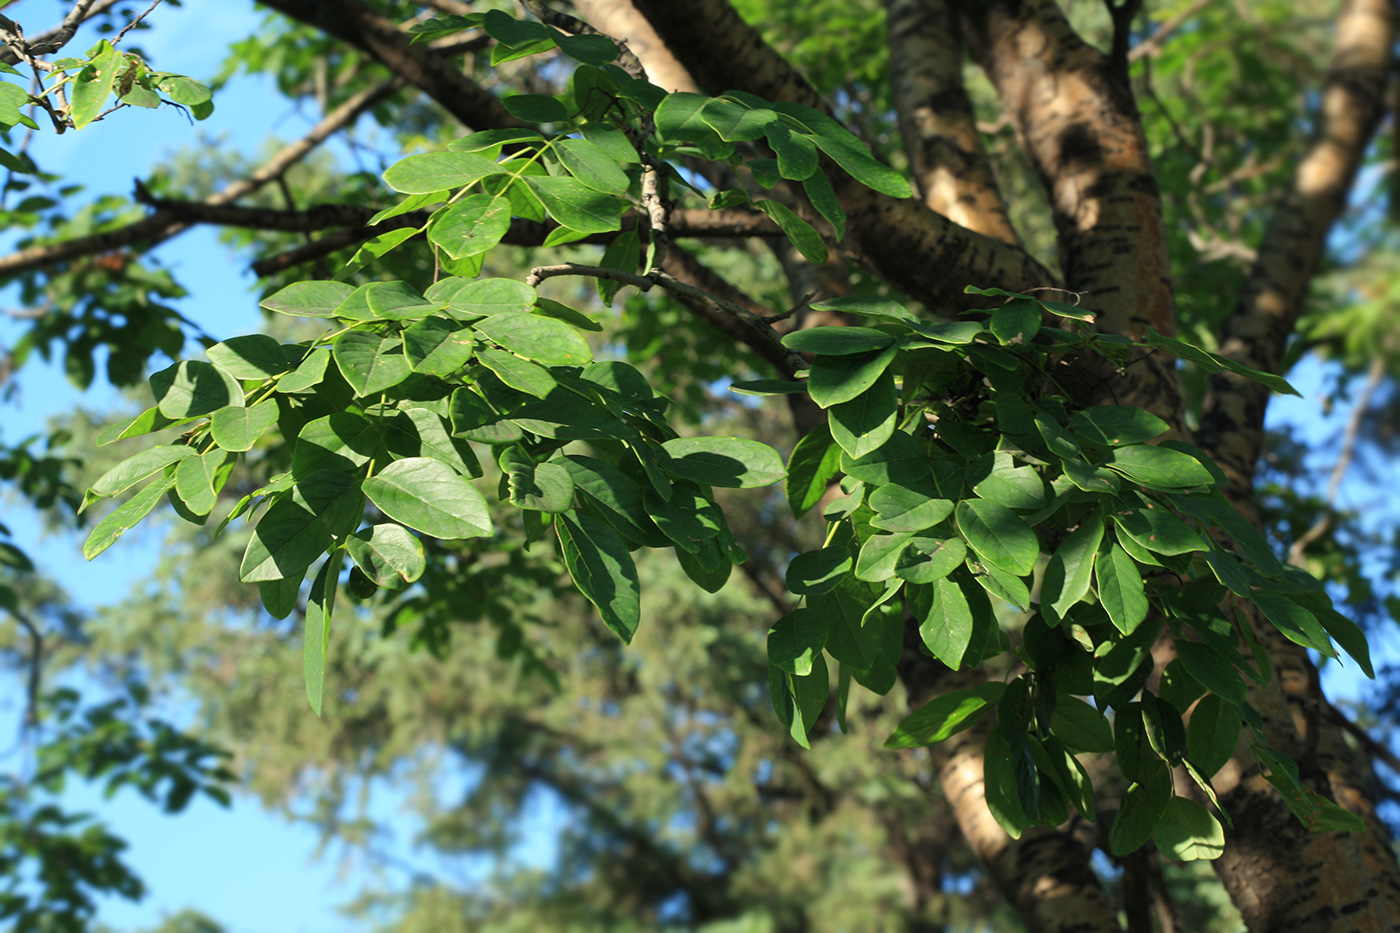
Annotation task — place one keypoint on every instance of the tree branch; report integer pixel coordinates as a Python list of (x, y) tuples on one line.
[(916, 250), (757, 330), (1351, 107), (422, 66), (1324, 521), (936, 120), (163, 225)]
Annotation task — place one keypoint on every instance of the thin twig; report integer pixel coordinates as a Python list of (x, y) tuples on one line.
[(135, 22), (1324, 521), (671, 284), (36, 661), (1159, 36)]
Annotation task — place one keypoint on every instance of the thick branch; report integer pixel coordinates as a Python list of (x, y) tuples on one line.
[(1351, 107), (425, 68), (1074, 113), (915, 249), (935, 117)]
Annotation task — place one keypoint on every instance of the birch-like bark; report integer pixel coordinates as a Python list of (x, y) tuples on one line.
[(946, 158), (1074, 114)]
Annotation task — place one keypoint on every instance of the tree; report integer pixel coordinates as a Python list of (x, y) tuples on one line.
[(1043, 385)]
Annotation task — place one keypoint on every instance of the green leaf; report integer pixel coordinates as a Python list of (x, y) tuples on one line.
[(301, 526), (1297, 624), (946, 629), (536, 108), (472, 226), (343, 442), (926, 560), (837, 341), (1091, 478), (429, 496), (1160, 466), (797, 155), (1080, 726), (370, 363), (1212, 734), (996, 477), (1159, 531), (541, 339), (1070, 570), (438, 346), (192, 388), (316, 635), (137, 467), (483, 297), (687, 518), (1212, 363), (125, 516), (1116, 425), (849, 153), (843, 611), (198, 480), (1121, 589), (618, 497), (1142, 809), (308, 374), (999, 776), (593, 167), (1344, 631), (521, 375), (439, 171), (93, 85), (867, 421), (238, 429), (577, 206), (603, 571), (795, 641), (148, 421), (823, 198), (814, 462), (901, 460), (421, 432), (724, 461), (807, 240), (542, 487), (1211, 670), (836, 379), (309, 299), (818, 571), (945, 716), (1188, 832), (256, 356), (1015, 323), (902, 508), (879, 556), (389, 554), (998, 535)]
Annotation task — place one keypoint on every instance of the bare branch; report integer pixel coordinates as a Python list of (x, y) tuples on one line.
[(1352, 104), (1324, 521), (1164, 31), (135, 22), (936, 120)]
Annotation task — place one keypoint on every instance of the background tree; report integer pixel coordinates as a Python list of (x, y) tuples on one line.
[(1173, 173)]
